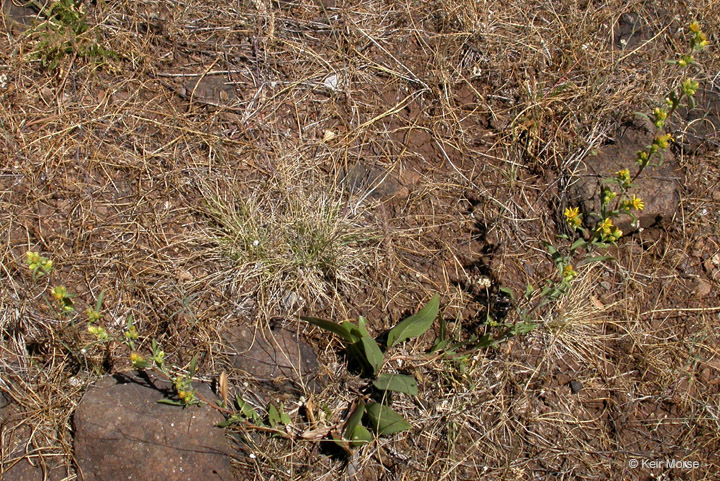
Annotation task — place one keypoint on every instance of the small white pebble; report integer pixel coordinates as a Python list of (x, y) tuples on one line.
[(252, 456)]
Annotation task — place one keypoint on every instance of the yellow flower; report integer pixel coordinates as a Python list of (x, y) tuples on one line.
[(136, 359), (59, 293), (605, 226), (573, 216), (624, 177), (694, 27), (615, 234), (569, 273), (637, 203)]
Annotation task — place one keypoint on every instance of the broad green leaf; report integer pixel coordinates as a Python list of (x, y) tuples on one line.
[(273, 416), (578, 243), (397, 383), (284, 417), (341, 330), (384, 420), (355, 332), (415, 325), (360, 436), (362, 322), (354, 420), (372, 352)]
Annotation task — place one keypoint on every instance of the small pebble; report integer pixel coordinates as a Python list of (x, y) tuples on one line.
[(576, 386)]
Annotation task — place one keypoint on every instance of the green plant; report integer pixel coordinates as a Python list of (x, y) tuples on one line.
[(65, 31), (182, 384), (364, 349), (616, 200)]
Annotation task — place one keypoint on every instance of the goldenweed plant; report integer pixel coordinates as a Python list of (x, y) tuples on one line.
[(587, 244), (182, 383)]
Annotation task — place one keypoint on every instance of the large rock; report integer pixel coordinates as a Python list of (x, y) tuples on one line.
[(275, 358), (656, 186), (20, 461), (121, 432), (701, 125)]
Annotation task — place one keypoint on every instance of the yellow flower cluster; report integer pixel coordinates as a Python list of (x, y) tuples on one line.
[(187, 396), (608, 231), (99, 332), (569, 273), (38, 264), (624, 177), (633, 203), (573, 217), (137, 360), (699, 40)]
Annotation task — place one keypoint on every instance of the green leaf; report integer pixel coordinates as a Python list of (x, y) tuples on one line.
[(98, 304), (284, 417), (341, 330), (509, 292), (273, 416), (397, 382), (528, 291), (193, 366), (415, 325), (356, 333), (246, 409), (360, 436), (362, 322), (354, 420), (171, 402), (588, 260), (578, 243), (442, 341), (384, 420), (235, 418), (371, 353), (522, 328)]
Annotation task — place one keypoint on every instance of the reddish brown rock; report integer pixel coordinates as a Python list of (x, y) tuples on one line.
[(275, 358), (121, 432), (656, 186)]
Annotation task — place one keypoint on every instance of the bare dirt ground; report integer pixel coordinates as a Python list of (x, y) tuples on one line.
[(244, 163)]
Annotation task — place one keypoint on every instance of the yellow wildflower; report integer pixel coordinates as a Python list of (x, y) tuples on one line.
[(637, 203), (605, 226), (694, 27), (624, 177), (573, 216), (569, 273), (136, 359)]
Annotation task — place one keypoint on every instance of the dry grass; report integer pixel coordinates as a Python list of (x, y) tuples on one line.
[(140, 183)]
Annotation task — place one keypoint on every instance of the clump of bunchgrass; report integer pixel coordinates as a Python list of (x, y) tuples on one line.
[(289, 243)]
